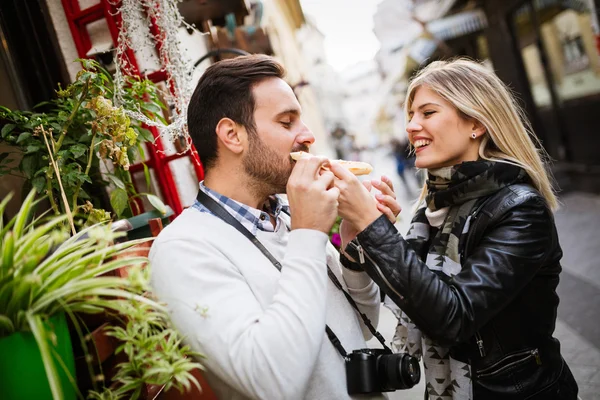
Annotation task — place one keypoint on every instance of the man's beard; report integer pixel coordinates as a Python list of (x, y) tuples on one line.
[(269, 170)]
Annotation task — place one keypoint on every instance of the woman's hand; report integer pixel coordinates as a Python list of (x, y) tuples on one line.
[(386, 203), (356, 205), (386, 200)]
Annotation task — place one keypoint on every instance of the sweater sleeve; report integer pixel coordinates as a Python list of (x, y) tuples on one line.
[(263, 352), (365, 293)]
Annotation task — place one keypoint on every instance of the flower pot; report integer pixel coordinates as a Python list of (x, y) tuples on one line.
[(22, 373), (140, 227)]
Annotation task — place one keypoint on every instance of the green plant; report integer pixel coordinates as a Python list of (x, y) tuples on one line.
[(334, 233), (142, 333), (44, 271), (64, 144)]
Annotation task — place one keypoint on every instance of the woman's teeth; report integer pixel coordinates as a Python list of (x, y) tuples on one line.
[(422, 143)]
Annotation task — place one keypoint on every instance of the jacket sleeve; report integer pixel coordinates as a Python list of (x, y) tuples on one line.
[(507, 257), (264, 352)]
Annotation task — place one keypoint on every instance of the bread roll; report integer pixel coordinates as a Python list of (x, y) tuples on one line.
[(356, 167)]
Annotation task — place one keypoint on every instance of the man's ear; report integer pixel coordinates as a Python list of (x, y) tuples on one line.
[(231, 135)]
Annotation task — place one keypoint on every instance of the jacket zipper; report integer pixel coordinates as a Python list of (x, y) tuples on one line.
[(530, 354), (479, 341), (361, 256), (472, 219)]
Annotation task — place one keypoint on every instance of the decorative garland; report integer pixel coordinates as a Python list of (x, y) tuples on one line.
[(137, 17)]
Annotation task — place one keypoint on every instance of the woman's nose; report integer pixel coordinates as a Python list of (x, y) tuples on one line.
[(413, 126)]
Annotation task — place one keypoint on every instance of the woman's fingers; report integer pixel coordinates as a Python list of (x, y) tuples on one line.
[(387, 212), (385, 186), (388, 182), (389, 202)]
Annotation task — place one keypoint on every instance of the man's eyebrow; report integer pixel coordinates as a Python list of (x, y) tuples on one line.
[(293, 111), (425, 105)]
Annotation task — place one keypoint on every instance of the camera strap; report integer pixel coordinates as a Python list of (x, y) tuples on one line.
[(219, 211)]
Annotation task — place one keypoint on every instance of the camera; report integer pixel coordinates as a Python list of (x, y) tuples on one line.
[(379, 370)]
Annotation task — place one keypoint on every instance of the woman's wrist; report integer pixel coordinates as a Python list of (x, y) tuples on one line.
[(367, 220)]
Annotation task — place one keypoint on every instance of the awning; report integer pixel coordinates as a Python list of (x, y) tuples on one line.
[(429, 10), (457, 25), (451, 27), (576, 5)]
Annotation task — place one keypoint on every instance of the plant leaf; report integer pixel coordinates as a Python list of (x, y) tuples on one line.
[(78, 150), (118, 201), (6, 129), (145, 135), (28, 165), (116, 181), (38, 183), (39, 333), (32, 148), (23, 136), (157, 203), (147, 176)]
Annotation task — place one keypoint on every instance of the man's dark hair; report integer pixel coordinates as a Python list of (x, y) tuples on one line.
[(225, 91)]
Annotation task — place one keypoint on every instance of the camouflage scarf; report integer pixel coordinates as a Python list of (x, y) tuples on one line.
[(458, 188)]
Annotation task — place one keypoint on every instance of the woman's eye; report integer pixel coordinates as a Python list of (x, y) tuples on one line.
[(428, 113)]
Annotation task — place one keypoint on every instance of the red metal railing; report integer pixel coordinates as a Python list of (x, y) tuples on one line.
[(157, 159)]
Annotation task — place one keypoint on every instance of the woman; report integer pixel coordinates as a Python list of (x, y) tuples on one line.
[(476, 275)]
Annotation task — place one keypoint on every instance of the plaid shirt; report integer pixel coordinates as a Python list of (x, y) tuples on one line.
[(251, 218)]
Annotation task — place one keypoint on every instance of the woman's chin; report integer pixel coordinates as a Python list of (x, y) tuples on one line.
[(423, 163)]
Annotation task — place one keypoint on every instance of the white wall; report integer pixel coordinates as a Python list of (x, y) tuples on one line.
[(362, 86), (323, 79)]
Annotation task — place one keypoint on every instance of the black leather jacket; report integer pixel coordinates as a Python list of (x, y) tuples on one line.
[(498, 314)]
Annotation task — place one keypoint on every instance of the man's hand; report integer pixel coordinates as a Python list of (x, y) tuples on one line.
[(312, 196)]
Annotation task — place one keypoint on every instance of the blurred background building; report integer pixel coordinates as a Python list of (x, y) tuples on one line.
[(547, 51)]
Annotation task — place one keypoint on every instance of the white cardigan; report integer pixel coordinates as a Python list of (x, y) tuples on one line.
[(262, 331)]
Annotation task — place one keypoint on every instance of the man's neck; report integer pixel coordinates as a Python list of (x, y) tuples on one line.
[(235, 186)]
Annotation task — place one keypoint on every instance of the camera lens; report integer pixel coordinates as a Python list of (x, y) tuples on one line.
[(398, 371)]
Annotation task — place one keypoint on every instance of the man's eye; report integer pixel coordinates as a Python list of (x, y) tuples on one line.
[(285, 124)]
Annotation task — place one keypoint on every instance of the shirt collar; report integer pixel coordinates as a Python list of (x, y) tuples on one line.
[(252, 218)]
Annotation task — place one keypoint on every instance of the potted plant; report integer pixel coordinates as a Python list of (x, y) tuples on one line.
[(46, 277), (80, 143)]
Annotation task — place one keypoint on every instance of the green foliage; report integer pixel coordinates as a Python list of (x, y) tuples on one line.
[(154, 352), (79, 129), (44, 271)]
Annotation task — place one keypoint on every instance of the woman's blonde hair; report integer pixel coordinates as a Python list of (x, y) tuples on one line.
[(478, 93)]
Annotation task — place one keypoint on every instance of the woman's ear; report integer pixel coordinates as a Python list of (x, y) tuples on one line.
[(478, 128), (231, 135)]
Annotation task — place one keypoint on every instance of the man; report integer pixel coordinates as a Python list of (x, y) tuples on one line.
[(262, 330)]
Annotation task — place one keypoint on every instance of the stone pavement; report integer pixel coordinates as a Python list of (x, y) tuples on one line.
[(578, 325)]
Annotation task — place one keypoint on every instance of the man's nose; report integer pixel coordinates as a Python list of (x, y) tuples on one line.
[(305, 136)]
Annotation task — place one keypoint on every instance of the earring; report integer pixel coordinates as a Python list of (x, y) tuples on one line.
[(473, 135)]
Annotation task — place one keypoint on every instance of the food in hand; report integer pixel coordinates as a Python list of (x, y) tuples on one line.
[(356, 167)]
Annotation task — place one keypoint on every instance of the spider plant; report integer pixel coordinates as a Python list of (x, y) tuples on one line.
[(45, 272)]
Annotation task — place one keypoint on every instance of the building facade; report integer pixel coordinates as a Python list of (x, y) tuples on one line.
[(41, 39)]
